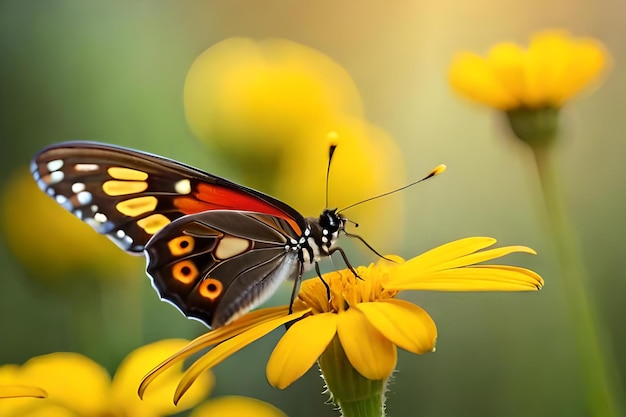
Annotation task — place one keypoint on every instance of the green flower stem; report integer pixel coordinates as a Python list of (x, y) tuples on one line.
[(355, 395), (603, 383)]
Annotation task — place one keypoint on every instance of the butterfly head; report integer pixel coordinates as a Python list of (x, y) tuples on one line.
[(332, 223)]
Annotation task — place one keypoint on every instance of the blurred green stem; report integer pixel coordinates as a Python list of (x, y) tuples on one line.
[(603, 384)]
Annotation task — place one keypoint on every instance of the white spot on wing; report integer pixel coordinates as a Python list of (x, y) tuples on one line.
[(61, 199), (55, 165), (183, 187), (55, 177), (86, 167), (230, 246), (84, 198), (100, 217), (77, 187)]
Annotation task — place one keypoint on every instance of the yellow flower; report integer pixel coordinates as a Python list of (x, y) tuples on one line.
[(253, 98), (51, 242), (268, 106), (236, 406), (77, 386), (554, 68), (363, 316), (367, 162)]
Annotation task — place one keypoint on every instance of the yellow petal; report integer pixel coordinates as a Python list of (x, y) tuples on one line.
[(299, 348), (211, 338), (368, 350), (237, 407), (18, 391), (483, 256), (548, 58), (473, 77), (157, 400), (507, 63), (405, 324), (588, 62), (227, 348), (475, 278), (446, 253), (71, 380)]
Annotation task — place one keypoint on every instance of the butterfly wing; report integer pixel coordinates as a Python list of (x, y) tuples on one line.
[(130, 195), (218, 264)]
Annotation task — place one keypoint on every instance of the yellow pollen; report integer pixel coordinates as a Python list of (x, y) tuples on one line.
[(346, 290)]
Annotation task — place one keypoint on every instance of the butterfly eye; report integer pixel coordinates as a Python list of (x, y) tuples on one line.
[(181, 245), (210, 288), (185, 272)]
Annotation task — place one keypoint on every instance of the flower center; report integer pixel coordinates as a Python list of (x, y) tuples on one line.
[(346, 290)]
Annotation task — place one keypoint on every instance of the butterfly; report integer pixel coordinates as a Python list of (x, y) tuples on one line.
[(214, 248)]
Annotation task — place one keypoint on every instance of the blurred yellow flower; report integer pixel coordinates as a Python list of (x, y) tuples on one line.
[(269, 104), (50, 242), (367, 162), (237, 407), (255, 98), (554, 68), (364, 314), (79, 387)]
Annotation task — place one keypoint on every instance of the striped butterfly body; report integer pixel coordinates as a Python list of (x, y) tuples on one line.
[(214, 249)]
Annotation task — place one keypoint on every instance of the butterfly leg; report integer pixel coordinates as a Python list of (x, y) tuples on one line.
[(296, 288), (345, 259), (319, 274)]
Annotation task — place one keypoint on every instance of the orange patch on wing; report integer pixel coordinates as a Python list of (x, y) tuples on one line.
[(214, 197), (210, 289), (185, 272), (181, 245)]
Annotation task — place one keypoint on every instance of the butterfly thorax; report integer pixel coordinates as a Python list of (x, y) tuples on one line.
[(319, 237)]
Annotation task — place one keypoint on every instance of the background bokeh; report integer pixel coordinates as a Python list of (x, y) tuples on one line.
[(114, 72)]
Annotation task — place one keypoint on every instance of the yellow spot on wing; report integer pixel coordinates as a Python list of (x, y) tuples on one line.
[(127, 174), (153, 223), (124, 187), (230, 246), (181, 245), (136, 206)]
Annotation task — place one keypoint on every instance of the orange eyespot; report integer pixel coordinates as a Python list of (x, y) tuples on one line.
[(210, 289), (181, 245), (185, 272)]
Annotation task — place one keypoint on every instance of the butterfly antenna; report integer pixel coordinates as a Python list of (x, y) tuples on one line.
[(438, 170), (331, 151)]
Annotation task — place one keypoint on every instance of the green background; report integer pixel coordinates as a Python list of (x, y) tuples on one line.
[(114, 72)]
